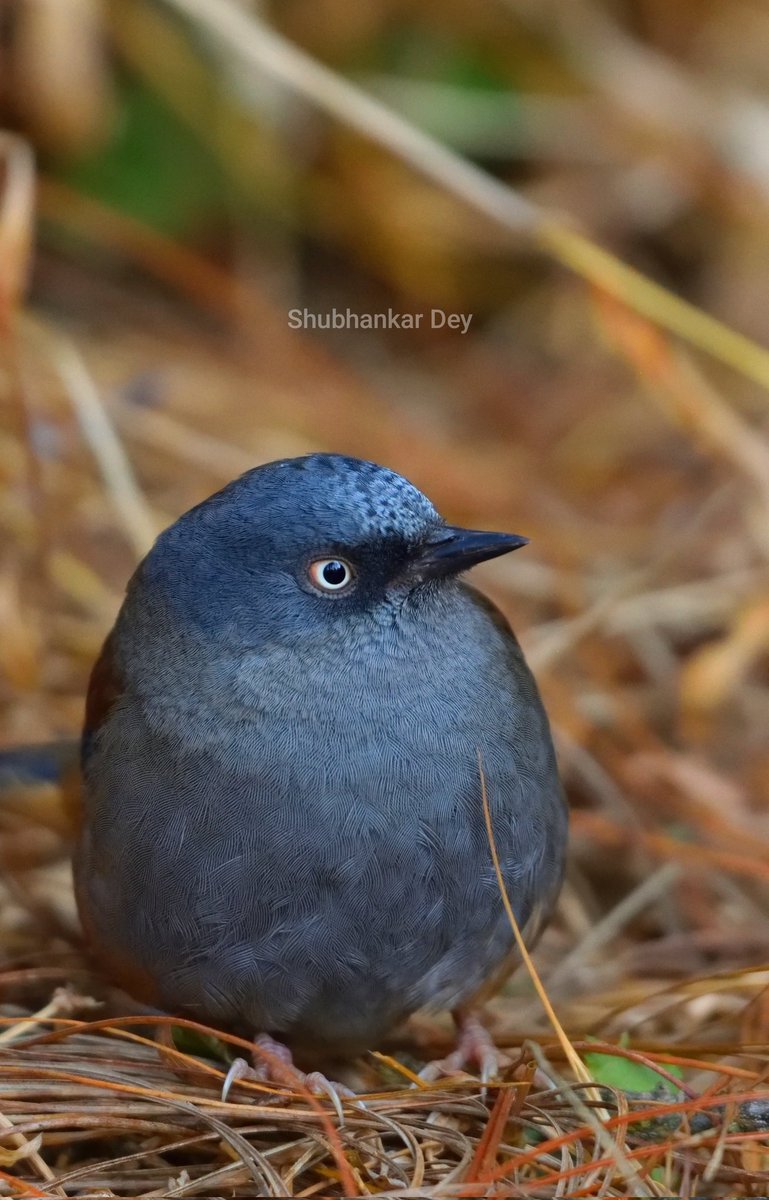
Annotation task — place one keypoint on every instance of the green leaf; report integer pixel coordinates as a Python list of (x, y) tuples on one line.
[(154, 168), (628, 1076), (202, 1045)]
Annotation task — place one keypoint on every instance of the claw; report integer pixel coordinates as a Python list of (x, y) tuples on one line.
[(238, 1070), (277, 1066), (474, 1045), (320, 1086)]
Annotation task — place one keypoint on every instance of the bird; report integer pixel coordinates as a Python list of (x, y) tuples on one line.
[(289, 735)]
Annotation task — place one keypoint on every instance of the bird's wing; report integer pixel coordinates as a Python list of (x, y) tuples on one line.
[(45, 780), (40, 786), (43, 762)]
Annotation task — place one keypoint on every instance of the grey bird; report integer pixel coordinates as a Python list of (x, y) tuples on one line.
[(282, 826)]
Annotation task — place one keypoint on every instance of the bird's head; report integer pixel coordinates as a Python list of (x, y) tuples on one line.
[(308, 540)]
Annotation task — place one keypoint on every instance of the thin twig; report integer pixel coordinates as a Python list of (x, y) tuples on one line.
[(572, 1057), (600, 934), (130, 505), (17, 210)]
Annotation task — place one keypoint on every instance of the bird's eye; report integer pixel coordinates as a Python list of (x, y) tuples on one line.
[(331, 574)]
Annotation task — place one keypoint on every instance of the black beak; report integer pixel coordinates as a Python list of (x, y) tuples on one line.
[(454, 550)]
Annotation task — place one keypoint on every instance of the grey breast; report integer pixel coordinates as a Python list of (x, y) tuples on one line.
[(315, 862)]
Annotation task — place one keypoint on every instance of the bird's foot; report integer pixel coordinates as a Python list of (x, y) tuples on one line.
[(474, 1047), (275, 1064)]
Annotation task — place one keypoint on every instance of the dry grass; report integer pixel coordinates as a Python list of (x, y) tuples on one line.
[(142, 374)]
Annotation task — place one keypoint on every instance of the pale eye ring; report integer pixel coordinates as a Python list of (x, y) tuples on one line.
[(331, 575)]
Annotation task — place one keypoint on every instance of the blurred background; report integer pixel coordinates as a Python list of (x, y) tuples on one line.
[(185, 199)]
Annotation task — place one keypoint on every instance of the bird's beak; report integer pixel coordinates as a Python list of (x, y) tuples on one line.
[(455, 549)]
